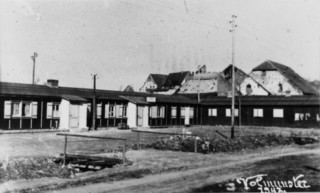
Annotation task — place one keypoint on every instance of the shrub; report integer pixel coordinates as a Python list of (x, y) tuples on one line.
[(219, 144), (27, 168)]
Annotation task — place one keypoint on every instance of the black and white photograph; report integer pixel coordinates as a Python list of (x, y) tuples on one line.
[(161, 96)]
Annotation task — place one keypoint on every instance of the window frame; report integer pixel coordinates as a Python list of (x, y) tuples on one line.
[(10, 111), (212, 112), (258, 113), (174, 109), (19, 114), (23, 109), (276, 111), (191, 115), (236, 112), (55, 108), (112, 111), (182, 109)]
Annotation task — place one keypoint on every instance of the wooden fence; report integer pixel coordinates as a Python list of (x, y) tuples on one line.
[(66, 135)]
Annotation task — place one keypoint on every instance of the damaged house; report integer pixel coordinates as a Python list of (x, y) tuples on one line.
[(277, 79), (271, 95)]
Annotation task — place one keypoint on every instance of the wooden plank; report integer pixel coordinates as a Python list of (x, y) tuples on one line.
[(88, 136), (65, 150), (154, 132)]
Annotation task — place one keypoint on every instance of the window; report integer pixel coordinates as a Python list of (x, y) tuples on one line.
[(162, 112), (263, 73), (106, 111), (248, 89), (173, 112), (124, 111), (112, 111), (53, 110), (16, 112), (7, 109), (18, 109), (280, 87), (298, 116), (99, 110), (26, 109), (257, 112), (191, 112), (121, 111), (303, 116), (118, 111), (212, 112), (307, 116), (153, 112), (156, 112), (228, 112), (183, 112), (278, 113)]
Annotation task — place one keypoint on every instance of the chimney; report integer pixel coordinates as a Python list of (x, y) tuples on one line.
[(53, 83)]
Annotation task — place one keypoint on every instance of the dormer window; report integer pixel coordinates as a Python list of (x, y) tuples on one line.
[(249, 89), (280, 87)]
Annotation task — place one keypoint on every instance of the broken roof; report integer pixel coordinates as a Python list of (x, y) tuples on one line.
[(290, 74), (240, 75), (206, 83), (175, 79), (159, 79)]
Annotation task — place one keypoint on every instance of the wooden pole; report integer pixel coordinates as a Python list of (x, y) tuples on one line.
[(195, 145), (94, 106), (124, 153), (138, 140), (65, 150), (233, 75)]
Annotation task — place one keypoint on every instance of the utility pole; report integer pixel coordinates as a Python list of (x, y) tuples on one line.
[(199, 83), (233, 29), (94, 106), (33, 57)]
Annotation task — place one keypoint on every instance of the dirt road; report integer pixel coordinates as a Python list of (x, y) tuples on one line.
[(185, 181)]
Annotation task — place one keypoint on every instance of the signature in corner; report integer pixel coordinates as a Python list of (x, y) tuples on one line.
[(275, 186)]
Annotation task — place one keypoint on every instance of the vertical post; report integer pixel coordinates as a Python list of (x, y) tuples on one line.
[(41, 115), (138, 140), (199, 85), (101, 115), (124, 153), (94, 106), (115, 114), (195, 144), (107, 115), (233, 25), (65, 150)]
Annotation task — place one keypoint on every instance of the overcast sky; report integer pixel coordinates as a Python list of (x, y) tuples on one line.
[(125, 40)]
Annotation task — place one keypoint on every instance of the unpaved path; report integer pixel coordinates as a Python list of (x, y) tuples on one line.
[(184, 181)]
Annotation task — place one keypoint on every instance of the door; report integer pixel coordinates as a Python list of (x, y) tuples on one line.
[(140, 116), (74, 116)]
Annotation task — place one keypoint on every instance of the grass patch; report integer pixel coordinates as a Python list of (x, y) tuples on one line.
[(31, 167)]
